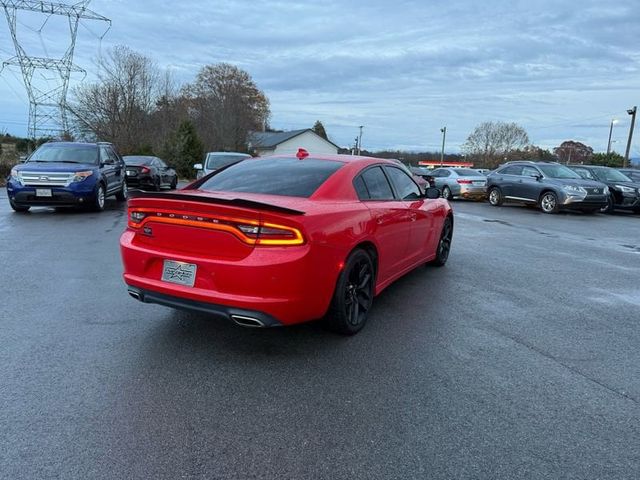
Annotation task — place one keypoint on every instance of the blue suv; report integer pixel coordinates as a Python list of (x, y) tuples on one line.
[(68, 174)]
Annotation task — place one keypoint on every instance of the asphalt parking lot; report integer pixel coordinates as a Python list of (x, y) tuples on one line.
[(519, 359)]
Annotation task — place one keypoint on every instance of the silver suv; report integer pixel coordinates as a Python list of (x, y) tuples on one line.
[(549, 185)]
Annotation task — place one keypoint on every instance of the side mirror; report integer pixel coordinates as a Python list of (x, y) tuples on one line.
[(198, 166), (432, 192)]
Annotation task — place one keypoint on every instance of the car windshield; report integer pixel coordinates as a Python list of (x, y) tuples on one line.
[(133, 160), (66, 154), (274, 176), (558, 171), (611, 175), (467, 172), (216, 161)]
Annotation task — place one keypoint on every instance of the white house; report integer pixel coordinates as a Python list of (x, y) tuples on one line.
[(270, 143)]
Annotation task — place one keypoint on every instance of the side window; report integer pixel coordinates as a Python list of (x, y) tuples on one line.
[(405, 187), (105, 155), (512, 170), (377, 184), (436, 173), (445, 173), (361, 188), (160, 163), (530, 171)]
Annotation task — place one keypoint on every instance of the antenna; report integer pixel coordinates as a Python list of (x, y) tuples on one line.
[(47, 104)]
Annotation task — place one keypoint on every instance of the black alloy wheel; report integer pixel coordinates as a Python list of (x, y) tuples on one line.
[(353, 296), (444, 245)]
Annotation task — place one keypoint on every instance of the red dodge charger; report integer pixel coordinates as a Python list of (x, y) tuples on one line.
[(284, 239)]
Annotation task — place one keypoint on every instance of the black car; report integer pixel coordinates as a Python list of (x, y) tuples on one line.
[(147, 172), (632, 173), (549, 185), (624, 193)]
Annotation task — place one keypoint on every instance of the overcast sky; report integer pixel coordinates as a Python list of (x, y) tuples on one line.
[(403, 69)]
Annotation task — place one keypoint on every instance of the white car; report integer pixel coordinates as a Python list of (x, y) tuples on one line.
[(216, 160)]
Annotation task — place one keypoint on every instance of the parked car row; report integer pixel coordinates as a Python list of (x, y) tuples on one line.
[(74, 174), (549, 185)]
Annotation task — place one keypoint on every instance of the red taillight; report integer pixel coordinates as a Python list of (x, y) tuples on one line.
[(145, 170), (464, 182), (251, 232)]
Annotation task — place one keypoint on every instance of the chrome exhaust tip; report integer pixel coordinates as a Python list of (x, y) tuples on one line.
[(247, 321), (135, 294)]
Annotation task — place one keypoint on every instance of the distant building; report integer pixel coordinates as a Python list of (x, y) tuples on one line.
[(270, 143)]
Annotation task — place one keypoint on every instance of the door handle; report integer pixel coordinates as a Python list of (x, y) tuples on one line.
[(379, 219), (413, 216)]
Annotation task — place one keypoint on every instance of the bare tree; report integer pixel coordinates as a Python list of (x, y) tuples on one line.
[(227, 105), (118, 106), (491, 142)]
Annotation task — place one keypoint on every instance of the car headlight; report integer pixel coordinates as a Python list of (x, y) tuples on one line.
[(573, 190), (15, 175), (81, 176), (626, 189), (606, 190)]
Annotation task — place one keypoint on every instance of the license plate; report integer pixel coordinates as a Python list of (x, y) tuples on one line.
[(480, 182), (131, 173), (43, 192), (179, 272)]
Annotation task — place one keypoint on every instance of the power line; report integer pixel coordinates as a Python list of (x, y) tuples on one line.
[(47, 105)]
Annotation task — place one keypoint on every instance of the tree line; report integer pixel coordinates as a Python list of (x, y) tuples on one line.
[(141, 109)]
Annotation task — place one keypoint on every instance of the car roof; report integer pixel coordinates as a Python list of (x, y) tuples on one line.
[(73, 144), (347, 159), (235, 154)]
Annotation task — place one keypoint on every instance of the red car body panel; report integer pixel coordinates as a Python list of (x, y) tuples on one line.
[(291, 283)]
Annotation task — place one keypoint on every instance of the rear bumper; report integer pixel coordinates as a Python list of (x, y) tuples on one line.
[(472, 191), (282, 285), (242, 317)]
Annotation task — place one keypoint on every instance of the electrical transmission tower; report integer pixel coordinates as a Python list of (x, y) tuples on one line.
[(48, 104)]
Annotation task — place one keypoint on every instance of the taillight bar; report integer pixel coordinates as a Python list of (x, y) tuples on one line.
[(464, 182), (251, 232)]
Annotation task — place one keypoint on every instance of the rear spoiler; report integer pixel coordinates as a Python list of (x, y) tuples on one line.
[(236, 202)]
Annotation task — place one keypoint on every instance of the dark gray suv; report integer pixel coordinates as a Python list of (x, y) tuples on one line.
[(551, 186)]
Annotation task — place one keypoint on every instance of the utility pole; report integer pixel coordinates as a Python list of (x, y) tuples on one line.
[(360, 139), (47, 104), (631, 112), (613, 122), (444, 136)]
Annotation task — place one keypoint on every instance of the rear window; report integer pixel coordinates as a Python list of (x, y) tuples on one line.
[(467, 172), (274, 176), (215, 161), (137, 160)]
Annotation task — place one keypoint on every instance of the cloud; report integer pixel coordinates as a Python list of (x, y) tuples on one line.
[(401, 68)]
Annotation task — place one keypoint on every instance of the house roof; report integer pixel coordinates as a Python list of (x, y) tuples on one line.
[(273, 139)]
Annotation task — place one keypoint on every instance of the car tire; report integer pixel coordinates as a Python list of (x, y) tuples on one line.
[(353, 296), (549, 202), (19, 208), (121, 196), (495, 197), (99, 198), (156, 185), (444, 244), (446, 193), (609, 207), (174, 183)]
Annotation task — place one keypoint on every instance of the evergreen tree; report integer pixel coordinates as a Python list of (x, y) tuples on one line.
[(319, 129), (184, 149)]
